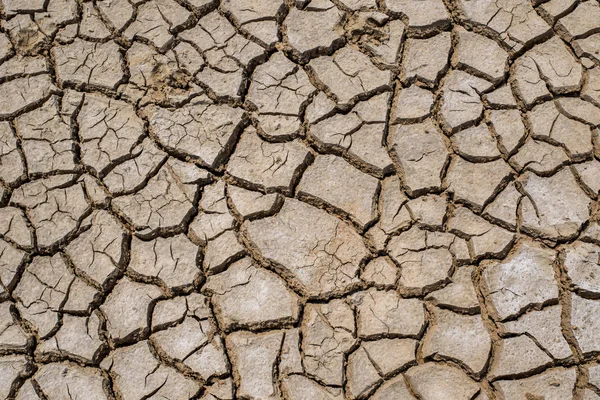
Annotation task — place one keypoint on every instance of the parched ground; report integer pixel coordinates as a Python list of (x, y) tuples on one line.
[(309, 200)]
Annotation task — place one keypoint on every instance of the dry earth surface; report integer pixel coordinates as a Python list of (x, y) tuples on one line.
[(319, 199)]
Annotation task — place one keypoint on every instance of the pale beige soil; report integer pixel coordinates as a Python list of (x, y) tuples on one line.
[(309, 200)]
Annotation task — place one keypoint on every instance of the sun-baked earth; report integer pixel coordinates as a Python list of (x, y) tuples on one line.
[(303, 200)]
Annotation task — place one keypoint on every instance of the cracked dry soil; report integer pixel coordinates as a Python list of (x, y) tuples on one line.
[(304, 200)]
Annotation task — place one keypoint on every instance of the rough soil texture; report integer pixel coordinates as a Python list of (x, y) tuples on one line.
[(319, 199)]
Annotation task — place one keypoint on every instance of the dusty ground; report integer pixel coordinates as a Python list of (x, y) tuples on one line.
[(262, 199)]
